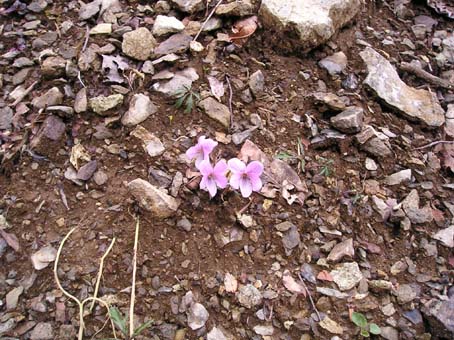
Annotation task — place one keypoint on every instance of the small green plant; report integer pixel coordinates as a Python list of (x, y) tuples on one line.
[(366, 328), (327, 165), (299, 157), (186, 97), (121, 322)]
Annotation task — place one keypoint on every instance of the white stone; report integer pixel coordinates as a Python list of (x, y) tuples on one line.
[(140, 108), (446, 236), (164, 25), (399, 177), (346, 275)]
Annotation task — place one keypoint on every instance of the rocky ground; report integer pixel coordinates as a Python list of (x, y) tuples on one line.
[(348, 104)]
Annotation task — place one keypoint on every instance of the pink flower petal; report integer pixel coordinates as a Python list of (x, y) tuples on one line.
[(256, 184), (211, 186), (203, 184), (245, 187), (254, 169), (235, 181), (236, 166), (220, 167), (205, 168), (221, 181), (193, 152)]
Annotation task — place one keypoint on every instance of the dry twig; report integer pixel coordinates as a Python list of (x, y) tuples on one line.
[(419, 72), (133, 288), (206, 20), (434, 143), (310, 297)]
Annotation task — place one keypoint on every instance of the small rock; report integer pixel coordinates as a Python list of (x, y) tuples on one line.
[(249, 296), (61, 110), (406, 293), (85, 172), (257, 82), (377, 147), (446, 236), (291, 239), (414, 316), (189, 6), (140, 108), (346, 275), (50, 98), (417, 215), (102, 28), (153, 199), (349, 121), (89, 10), (37, 6), (370, 164), (344, 248), (6, 118), (335, 63), (164, 25), (138, 44), (215, 110), (184, 224), (180, 81), (52, 130), (236, 8), (449, 128), (197, 316), (43, 257), (196, 47), (81, 102), (440, 315), (42, 331), (389, 333), (264, 330), (53, 67), (102, 104), (398, 178), (331, 326), (12, 298), (177, 43), (216, 334), (100, 177), (23, 62)]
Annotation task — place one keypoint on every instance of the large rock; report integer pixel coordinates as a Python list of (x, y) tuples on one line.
[(140, 108), (215, 110), (416, 105), (440, 315), (449, 128), (311, 22), (153, 199), (138, 44)]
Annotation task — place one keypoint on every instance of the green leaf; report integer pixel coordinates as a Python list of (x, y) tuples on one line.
[(118, 320), (189, 104), (365, 333), (374, 329), (283, 155), (179, 102), (142, 327), (359, 320)]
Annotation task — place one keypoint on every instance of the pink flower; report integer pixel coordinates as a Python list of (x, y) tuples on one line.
[(201, 151), (213, 177), (245, 178)]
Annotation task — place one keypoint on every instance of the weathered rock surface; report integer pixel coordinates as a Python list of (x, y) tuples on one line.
[(215, 110), (164, 25), (349, 121), (416, 105), (102, 104), (153, 199), (140, 108), (313, 22), (441, 317), (189, 6), (51, 97), (346, 275), (180, 81), (138, 44)]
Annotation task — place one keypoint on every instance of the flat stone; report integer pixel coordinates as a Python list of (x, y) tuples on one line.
[(344, 248), (236, 8), (102, 104), (102, 28), (417, 215), (151, 144), (257, 82), (86, 171), (398, 178), (334, 64), (37, 6), (264, 330), (346, 275), (164, 25), (181, 80), (332, 101), (6, 118), (81, 102), (407, 292), (389, 333), (89, 10), (140, 108), (311, 22), (440, 315), (138, 44), (349, 121), (153, 199), (216, 334), (177, 43), (445, 236), (216, 111), (249, 296), (23, 62), (449, 128), (197, 316), (12, 298), (189, 6), (42, 331), (50, 98), (331, 326), (377, 147), (53, 66), (51, 131), (61, 110), (416, 105), (43, 257)]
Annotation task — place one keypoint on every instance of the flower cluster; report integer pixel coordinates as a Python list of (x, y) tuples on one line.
[(245, 178)]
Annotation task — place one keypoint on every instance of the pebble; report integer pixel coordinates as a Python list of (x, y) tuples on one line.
[(197, 316), (249, 296), (138, 44), (165, 24), (346, 275)]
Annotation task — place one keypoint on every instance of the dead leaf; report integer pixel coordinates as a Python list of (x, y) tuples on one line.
[(324, 276), (217, 87), (243, 29), (291, 284), (113, 64), (11, 240)]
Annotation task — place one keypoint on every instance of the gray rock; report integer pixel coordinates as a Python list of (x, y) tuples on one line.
[(313, 22), (138, 44), (349, 121), (89, 10), (216, 334), (12, 298), (184, 224), (6, 118), (236, 8), (389, 333), (37, 6), (189, 6), (346, 275), (417, 215), (3, 246), (399, 177), (344, 248), (335, 63), (61, 110), (330, 100), (197, 316), (264, 330), (52, 130), (181, 80), (153, 199), (164, 25), (140, 108), (407, 292), (441, 317), (416, 105), (449, 128), (291, 239), (216, 111), (53, 66), (177, 43), (42, 331), (50, 98), (7, 326), (81, 102), (86, 171), (377, 147), (102, 104), (257, 82), (43, 257), (212, 24), (446, 236), (249, 296), (23, 62)]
